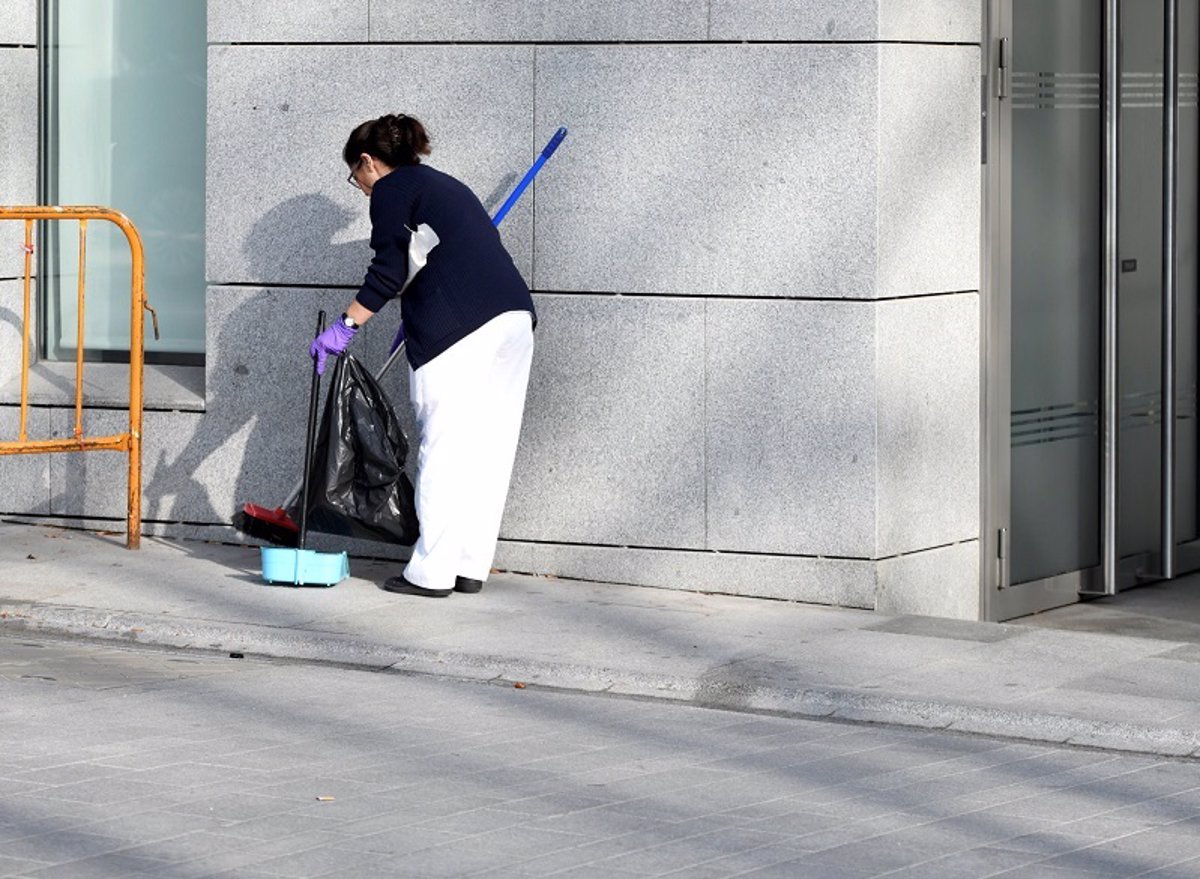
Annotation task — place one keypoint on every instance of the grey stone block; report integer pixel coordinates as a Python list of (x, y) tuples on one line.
[(18, 24), (929, 21), (26, 478), (845, 583), (937, 582), (298, 21), (876, 195), (827, 20), (746, 170), (18, 146), (522, 21), (929, 208), (956, 21), (927, 396), (612, 450), (791, 428), (285, 107)]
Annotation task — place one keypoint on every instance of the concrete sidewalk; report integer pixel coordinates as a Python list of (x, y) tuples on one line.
[(1125, 693)]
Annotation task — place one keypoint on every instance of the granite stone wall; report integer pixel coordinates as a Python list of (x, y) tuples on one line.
[(755, 258)]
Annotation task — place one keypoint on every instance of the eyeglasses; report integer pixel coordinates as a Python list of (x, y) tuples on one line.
[(350, 179)]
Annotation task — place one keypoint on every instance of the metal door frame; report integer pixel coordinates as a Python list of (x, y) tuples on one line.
[(998, 600)]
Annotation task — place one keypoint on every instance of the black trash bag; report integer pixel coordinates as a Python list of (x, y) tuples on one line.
[(357, 486)]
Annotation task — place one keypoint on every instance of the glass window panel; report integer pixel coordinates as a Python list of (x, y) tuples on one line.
[(125, 84)]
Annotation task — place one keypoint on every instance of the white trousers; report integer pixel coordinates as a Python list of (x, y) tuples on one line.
[(469, 401)]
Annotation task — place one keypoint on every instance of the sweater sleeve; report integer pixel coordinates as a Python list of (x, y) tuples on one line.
[(390, 235)]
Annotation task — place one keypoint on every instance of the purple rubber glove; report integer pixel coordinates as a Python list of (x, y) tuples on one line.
[(398, 341), (333, 341)]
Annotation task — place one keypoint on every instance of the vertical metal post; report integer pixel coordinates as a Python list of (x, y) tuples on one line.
[(79, 330), (1170, 201), (1111, 425), (137, 356), (25, 333)]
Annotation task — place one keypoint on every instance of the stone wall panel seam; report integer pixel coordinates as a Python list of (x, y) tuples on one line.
[(708, 541), (875, 408), (720, 553), (583, 44), (608, 294)]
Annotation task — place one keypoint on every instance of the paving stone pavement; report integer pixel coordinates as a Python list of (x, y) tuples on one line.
[(140, 762)]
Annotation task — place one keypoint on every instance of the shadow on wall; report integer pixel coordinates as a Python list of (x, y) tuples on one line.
[(11, 327), (300, 232), (258, 368)]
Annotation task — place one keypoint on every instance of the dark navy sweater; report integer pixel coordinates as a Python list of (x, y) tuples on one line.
[(469, 277)]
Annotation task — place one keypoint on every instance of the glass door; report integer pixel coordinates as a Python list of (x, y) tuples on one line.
[(1080, 313), (1054, 128)]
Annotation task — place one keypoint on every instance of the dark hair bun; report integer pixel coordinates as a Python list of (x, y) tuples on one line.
[(397, 140)]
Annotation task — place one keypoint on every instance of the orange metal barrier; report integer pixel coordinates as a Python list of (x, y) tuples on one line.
[(131, 441)]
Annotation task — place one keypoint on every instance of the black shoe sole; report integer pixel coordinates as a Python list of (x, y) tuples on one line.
[(402, 587), (467, 585)]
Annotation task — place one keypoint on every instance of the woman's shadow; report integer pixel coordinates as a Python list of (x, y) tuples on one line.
[(248, 445)]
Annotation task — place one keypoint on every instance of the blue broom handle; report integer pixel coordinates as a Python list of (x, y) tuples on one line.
[(529, 175)]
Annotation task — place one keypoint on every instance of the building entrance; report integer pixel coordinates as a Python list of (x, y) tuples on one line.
[(1091, 315)]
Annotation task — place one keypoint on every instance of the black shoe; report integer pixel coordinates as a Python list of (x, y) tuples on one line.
[(466, 584), (403, 587)]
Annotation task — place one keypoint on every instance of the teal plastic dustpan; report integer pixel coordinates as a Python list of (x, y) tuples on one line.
[(306, 567)]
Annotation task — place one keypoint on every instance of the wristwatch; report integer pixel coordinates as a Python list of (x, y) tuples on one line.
[(349, 322)]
